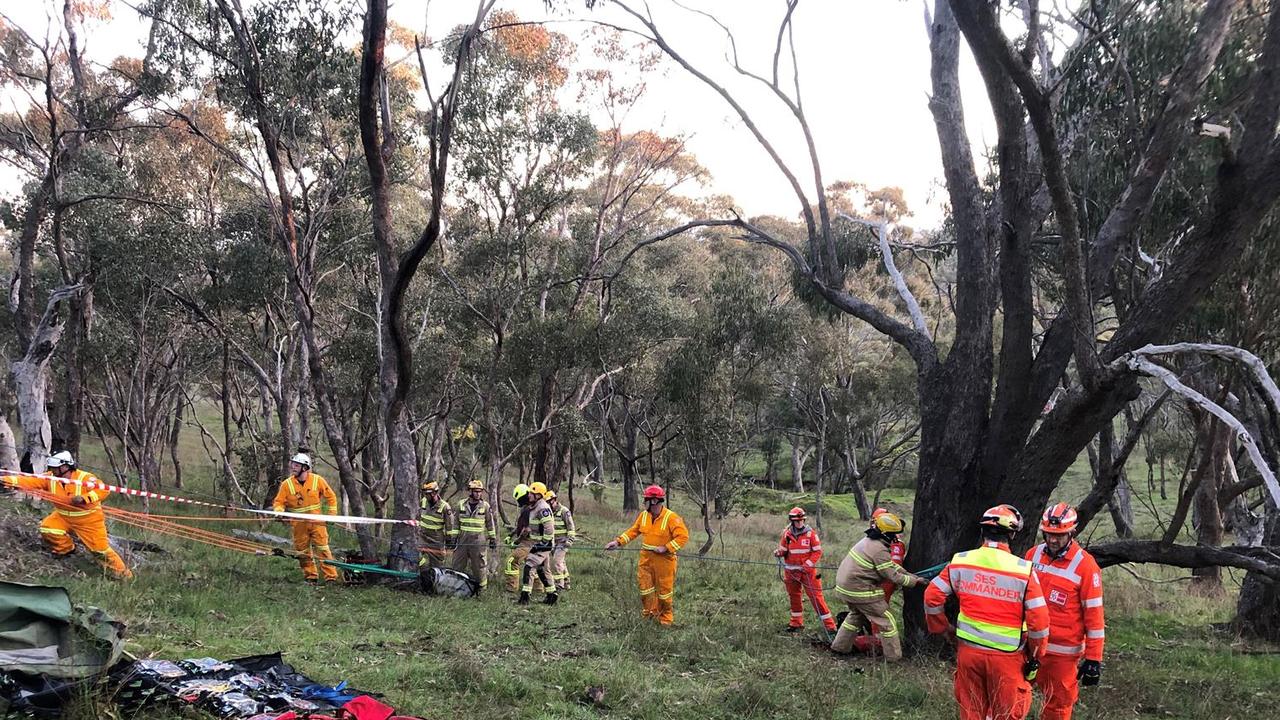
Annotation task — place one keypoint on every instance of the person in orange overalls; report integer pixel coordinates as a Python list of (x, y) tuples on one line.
[(1002, 625), (77, 510), (306, 492), (1072, 583), (800, 550), (662, 533)]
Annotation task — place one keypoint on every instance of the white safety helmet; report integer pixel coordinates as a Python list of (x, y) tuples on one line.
[(301, 459), (60, 459)]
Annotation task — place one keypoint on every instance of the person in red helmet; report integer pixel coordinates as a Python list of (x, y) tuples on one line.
[(800, 551), (1072, 583), (1002, 625), (662, 533)]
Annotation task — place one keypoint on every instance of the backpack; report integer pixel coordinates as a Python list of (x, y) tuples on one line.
[(447, 583)]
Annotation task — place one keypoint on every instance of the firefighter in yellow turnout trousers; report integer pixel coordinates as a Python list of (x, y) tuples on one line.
[(77, 511), (475, 521), (542, 535), (306, 492), (437, 529), (566, 533), (662, 534)]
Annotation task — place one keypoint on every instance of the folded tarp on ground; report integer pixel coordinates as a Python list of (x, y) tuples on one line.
[(41, 633), (49, 649)]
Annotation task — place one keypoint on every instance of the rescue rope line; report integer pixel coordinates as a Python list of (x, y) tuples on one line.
[(164, 524), (345, 519)]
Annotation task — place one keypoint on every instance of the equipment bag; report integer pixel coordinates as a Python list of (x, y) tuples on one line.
[(447, 583)]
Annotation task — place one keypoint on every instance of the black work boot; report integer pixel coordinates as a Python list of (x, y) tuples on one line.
[(524, 598), (551, 599)]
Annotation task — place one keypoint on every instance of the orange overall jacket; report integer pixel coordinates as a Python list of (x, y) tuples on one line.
[(1073, 593)]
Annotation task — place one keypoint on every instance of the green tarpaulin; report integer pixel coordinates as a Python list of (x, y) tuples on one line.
[(41, 633)]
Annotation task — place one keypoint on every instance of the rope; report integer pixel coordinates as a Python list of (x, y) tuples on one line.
[(163, 524), (359, 567)]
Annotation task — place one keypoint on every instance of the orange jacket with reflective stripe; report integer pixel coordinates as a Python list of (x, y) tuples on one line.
[(63, 490), (665, 530), (1000, 598), (1073, 592), (897, 553), (300, 497), (800, 548)]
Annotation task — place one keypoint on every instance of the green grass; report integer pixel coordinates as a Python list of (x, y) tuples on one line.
[(726, 657)]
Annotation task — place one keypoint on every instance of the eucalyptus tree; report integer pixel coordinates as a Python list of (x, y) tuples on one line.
[(984, 435), (66, 109)]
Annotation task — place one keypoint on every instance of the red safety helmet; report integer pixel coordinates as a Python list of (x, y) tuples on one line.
[(796, 513), (1003, 517), (1059, 518), (655, 492)]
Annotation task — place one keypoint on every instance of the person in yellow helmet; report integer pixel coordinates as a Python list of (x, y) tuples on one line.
[(77, 511), (869, 563), (566, 534), (518, 540), (437, 529), (475, 521), (542, 534), (306, 492)]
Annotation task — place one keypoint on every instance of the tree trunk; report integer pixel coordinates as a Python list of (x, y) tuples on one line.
[(949, 493), (1258, 609), (175, 432), (705, 510), (8, 443), (30, 377), (71, 411), (1209, 530), (228, 440), (798, 458), (1119, 502), (855, 480)]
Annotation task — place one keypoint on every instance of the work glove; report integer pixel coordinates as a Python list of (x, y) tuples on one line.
[(493, 544), (1030, 669), (1090, 673), (77, 500), (508, 541), (779, 552)]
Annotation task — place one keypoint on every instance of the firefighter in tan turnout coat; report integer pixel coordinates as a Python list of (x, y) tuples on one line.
[(863, 569)]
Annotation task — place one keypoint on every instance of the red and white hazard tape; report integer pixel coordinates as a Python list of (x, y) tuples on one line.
[(348, 519)]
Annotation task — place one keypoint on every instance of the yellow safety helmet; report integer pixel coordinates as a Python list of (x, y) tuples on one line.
[(519, 491), (551, 495), (432, 486), (888, 523), (475, 484), (537, 488)]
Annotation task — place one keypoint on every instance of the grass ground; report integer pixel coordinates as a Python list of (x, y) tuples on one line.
[(727, 656)]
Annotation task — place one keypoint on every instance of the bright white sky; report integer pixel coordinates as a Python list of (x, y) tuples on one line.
[(864, 67)]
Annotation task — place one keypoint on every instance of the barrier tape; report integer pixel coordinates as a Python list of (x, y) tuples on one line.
[(927, 573), (134, 492)]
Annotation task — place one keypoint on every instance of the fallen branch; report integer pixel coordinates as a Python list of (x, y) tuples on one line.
[(1264, 560)]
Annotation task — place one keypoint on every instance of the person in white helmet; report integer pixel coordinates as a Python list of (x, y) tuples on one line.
[(77, 511), (306, 492)]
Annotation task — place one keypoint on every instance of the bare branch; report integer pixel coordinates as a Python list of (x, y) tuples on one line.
[(1140, 364), (881, 230)]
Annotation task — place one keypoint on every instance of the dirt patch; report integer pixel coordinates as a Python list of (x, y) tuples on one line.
[(23, 557)]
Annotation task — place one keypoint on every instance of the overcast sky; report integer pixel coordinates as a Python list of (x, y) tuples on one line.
[(864, 75)]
